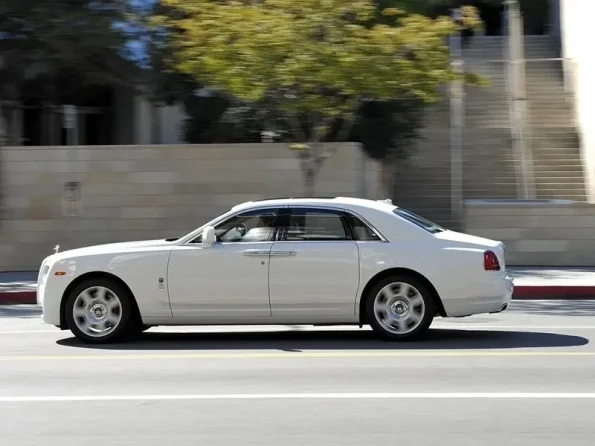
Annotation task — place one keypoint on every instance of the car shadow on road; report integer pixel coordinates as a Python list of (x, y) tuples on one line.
[(297, 341)]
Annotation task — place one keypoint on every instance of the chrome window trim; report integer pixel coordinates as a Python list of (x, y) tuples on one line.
[(383, 239), (187, 239)]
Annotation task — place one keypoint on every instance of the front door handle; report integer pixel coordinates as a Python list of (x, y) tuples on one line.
[(283, 253), (256, 253)]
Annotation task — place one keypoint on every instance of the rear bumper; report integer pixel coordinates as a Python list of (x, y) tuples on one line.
[(496, 298)]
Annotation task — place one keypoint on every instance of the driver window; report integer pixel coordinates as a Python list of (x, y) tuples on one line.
[(253, 226)]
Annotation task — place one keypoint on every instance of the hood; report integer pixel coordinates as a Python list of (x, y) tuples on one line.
[(471, 241), (111, 248)]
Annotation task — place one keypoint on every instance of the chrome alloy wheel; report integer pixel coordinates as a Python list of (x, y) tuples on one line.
[(97, 311), (399, 308)]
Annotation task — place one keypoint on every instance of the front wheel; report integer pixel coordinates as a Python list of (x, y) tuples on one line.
[(99, 311), (400, 308)]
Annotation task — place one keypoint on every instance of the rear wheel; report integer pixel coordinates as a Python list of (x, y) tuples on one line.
[(400, 308), (99, 311)]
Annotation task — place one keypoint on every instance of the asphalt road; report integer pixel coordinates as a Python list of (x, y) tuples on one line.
[(521, 377)]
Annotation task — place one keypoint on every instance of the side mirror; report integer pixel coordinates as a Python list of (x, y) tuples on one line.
[(208, 237)]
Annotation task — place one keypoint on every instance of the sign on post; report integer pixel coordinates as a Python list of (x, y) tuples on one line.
[(72, 199), (69, 116)]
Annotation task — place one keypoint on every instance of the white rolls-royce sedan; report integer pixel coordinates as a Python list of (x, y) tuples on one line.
[(333, 261)]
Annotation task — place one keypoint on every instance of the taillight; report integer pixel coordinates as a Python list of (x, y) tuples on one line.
[(490, 261)]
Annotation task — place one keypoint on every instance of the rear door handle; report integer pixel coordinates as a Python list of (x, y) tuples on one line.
[(256, 253), (283, 253)]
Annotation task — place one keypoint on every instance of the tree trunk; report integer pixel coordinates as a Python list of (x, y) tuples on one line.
[(386, 180), (313, 160), (309, 186), (389, 176), (155, 123)]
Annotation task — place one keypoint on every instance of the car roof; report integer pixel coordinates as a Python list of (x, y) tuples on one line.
[(334, 202)]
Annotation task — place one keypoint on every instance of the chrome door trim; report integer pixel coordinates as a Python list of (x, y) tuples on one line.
[(256, 253), (283, 253)]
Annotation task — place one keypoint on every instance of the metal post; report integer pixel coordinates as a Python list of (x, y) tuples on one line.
[(72, 188), (2, 126), (456, 126), (2, 135), (518, 103), (2, 144)]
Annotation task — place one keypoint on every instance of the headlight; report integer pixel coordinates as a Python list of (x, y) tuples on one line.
[(44, 274)]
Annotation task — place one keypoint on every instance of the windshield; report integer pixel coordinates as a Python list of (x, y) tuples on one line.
[(429, 226)]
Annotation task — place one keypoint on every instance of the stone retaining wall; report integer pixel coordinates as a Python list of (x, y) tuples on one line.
[(549, 233), (144, 192)]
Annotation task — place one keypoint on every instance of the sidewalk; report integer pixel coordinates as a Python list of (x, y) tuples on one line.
[(553, 283), (530, 283)]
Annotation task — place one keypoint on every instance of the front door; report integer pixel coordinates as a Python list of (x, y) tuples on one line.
[(314, 266), (230, 280)]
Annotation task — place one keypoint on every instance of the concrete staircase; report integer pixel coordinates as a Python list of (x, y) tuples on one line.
[(553, 138), (487, 157), (423, 180)]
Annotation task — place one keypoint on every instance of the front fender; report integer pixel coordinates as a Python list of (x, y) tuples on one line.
[(141, 271)]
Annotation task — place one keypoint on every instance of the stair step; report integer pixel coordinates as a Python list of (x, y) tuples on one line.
[(538, 150), (552, 164), (562, 108), (558, 176), (561, 181), (560, 167), (567, 169), (547, 100), (579, 198), (556, 167), (549, 171), (559, 187), (560, 158), (549, 117), (559, 195), (554, 86)]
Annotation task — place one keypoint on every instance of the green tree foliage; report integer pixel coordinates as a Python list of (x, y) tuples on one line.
[(316, 62)]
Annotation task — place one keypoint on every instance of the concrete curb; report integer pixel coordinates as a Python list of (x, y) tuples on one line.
[(18, 297), (521, 292), (554, 292)]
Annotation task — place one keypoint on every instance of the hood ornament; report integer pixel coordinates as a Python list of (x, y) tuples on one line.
[(56, 249)]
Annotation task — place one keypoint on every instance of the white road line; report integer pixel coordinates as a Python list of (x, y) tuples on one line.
[(454, 326), (514, 327), (287, 396)]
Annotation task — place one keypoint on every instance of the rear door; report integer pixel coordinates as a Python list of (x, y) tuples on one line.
[(314, 265)]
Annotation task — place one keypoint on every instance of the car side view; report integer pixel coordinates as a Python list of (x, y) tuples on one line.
[(301, 261)]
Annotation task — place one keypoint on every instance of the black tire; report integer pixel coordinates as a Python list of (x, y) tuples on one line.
[(138, 329), (123, 328), (428, 315)]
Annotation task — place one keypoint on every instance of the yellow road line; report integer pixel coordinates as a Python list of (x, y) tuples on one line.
[(298, 355)]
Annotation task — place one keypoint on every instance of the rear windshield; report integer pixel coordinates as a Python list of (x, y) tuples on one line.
[(429, 226)]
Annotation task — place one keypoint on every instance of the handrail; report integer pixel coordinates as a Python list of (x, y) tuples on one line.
[(514, 52), (570, 73)]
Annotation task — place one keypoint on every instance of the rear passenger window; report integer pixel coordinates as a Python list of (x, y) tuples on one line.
[(316, 225), (362, 231)]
